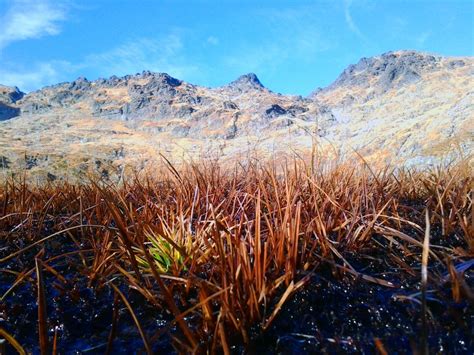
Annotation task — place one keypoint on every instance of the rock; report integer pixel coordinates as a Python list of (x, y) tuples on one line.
[(297, 110), (457, 63), (232, 131), (119, 153), (51, 177), (10, 95), (105, 174), (7, 112), (8, 99), (389, 70), (30, 162), (4, 162), (229, 105), (275, 111), (80, 84)]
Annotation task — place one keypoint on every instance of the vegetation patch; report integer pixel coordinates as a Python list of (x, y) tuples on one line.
[(290, 258)]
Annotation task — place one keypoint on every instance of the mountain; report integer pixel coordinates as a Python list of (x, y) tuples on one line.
[(405, 104), (402, 107)]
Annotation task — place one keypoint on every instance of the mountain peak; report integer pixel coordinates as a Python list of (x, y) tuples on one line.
[(410, 57), (161, 78), (165, 78), (247, 81), (388, 69), (10, 94)]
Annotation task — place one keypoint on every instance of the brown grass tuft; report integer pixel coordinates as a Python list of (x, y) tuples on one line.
[(242, 238)]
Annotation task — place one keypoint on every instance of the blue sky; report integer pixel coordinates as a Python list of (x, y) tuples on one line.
[(293, 46)]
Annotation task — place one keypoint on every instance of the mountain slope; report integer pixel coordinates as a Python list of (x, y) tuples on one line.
[(404, 107), (405, 104)]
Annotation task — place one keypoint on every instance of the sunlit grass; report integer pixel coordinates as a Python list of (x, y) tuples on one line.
[(240, 239)]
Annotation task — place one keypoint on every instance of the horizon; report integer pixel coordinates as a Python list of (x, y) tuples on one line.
[(225, 84), (294, 48)]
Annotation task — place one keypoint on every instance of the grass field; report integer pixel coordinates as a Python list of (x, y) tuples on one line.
[(212, 258)]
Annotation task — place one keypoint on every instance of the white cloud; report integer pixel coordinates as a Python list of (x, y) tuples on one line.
[(39, 75), (350, 21), (299, 30), (212, 40), (300, 36), (422, 38), (27, 19), (163, 54)]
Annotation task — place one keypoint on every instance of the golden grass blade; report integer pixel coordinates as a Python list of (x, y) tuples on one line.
[(289, 290), (42, 315), (225, 346), (424, 283), (12, 255), (352, 271), (134, 317), (172, 168), (113, 329), (180, 316), (55, 342), (123, 232), (379, 346), (388, 231), (19, 279), (13, 342)]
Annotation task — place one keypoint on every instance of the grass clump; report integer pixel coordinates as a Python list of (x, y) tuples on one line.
[(218, 252)]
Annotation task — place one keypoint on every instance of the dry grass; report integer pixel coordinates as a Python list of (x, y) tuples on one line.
[(223, 248)]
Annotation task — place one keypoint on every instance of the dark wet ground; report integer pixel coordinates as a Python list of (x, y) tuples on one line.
[(334, 313), (346, 316), (80, 315)]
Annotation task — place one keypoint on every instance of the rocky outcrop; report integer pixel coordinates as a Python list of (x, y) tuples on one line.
[(10, 95), (4, 162), (7, 112), (8, 98), (177, 107), (275, 111), (390, 70), (397, 105), (245, 83)]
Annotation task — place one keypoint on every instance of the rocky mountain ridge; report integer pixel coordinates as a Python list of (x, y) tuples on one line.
[(160, 99), (399, 105)]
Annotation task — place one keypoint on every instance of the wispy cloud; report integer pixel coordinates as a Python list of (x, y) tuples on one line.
[(401, 29), (39, 75), (299, 30), (351, 23), (212, 40), (27, 19), (422, 38), (164, 54), (299, 36)]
